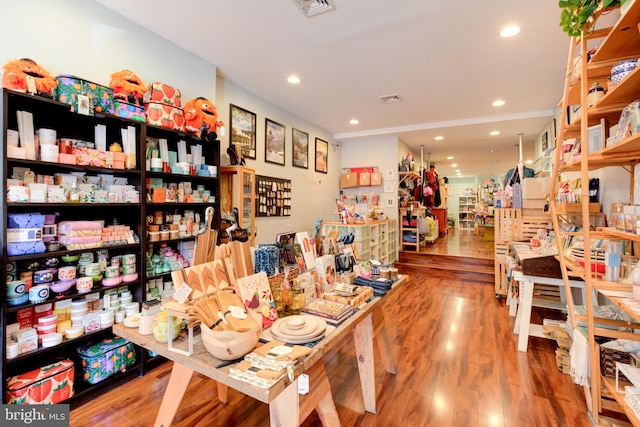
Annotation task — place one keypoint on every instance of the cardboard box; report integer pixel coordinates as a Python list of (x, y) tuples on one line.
[(535, 188), (537, 204)]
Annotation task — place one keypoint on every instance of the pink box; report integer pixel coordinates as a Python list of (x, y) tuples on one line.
[(69, 159)]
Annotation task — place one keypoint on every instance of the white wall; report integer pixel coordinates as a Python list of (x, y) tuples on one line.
[(86, 39), (313, 194), (90, 41), (378, 152)]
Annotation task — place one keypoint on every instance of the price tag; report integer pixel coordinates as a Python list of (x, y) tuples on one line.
[(303, 384), (31, 85), (182, 293), (83, 105)]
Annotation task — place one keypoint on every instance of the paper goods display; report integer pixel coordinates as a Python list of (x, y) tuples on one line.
[(265, 365), (256, 295)]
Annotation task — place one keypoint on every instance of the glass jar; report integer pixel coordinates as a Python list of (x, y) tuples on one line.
[(595, 93)]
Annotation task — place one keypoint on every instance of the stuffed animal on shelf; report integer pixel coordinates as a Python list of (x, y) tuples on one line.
[(128, 86), (25, 75), (201, 118)]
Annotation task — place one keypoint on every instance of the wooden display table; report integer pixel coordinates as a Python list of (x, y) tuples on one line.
[(286, 406)]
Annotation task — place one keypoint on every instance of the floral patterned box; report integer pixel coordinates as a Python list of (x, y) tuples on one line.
[(106, 358), (46, 385), (100, 98), (130, 111), (90, 157)]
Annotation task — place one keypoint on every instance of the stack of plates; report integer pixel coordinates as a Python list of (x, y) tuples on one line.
[(298, 329)]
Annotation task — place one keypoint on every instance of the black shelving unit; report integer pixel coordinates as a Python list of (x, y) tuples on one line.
[(49, 113)]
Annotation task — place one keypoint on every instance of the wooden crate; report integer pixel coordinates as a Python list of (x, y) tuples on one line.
[(576, 207), (531, 225), (508, 225), (500, 267), (547, 292)]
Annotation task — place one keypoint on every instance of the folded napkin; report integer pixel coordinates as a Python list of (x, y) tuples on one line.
[(579, 358)]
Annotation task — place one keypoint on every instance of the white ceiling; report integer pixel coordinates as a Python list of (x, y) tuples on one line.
[(445, 59)]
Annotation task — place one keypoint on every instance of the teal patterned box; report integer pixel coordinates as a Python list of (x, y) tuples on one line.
[(106, 358)]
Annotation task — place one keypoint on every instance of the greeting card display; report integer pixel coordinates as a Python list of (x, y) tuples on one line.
[(326, 268), (256, 294), (302, 238)]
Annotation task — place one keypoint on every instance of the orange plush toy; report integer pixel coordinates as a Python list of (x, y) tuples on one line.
[(201, 118), (25, 75), (128, 86)]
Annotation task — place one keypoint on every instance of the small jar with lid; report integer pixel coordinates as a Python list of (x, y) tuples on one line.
[(595, 93)]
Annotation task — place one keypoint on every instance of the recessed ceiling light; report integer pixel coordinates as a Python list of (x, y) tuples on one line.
[(529, 161), (457, 170), (294, 80), (454, 165), (493, 162), (459, 174), (494, 133), (439, 138), (450, 158), (498, 103), (354, 121), (510, 31)]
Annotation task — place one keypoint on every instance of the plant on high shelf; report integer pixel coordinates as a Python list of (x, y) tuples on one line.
[(579, 16)]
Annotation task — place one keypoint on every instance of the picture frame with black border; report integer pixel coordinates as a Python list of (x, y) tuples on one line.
[(243, 130), (300, 148), (322, 156), (274, 142)]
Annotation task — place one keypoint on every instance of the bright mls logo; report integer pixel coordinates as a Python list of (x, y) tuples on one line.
[(35, 415)]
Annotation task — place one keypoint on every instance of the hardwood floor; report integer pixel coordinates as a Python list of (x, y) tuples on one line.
[(457, 365), (461, 243)]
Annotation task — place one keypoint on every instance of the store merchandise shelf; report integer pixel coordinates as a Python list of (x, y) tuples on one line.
[(60, 253), (99, 333), (72, 295)]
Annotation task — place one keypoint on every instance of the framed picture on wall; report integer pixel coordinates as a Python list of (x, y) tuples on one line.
[(300, 148), (243, 131), (273, 142), (322, 154), (545, 141)]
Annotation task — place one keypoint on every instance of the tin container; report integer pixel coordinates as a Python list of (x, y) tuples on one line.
[(42, 276)]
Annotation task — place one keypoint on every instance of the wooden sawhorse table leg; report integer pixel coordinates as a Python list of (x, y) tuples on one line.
[(523, 316), (363, 335), (290, 409), (177, 387)]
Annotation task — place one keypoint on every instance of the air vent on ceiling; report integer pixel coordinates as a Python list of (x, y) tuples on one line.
[(388, 99), (312, 8)]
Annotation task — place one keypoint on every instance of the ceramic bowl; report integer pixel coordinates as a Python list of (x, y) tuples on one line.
[(627, 65), (22, 299), (62, 285), (70, 258), (16, 288)]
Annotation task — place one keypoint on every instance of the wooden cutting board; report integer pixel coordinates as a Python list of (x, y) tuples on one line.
[(241, 258), (226, 299)]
